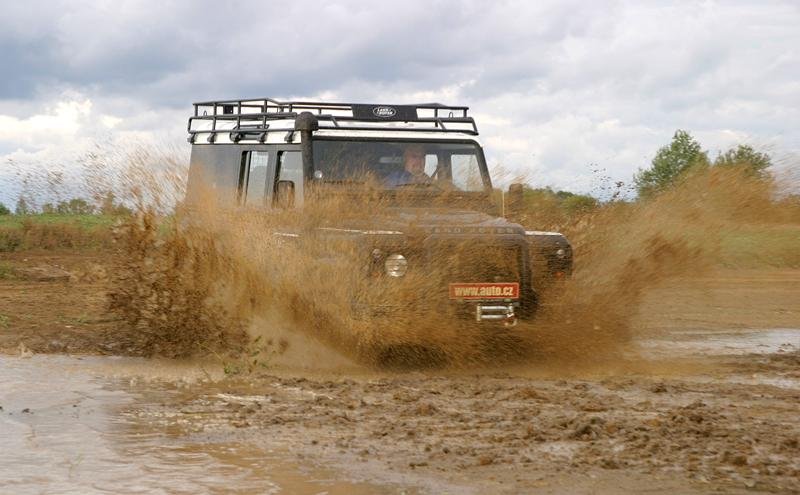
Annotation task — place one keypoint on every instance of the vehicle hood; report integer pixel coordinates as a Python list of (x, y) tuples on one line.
[(408, 220)]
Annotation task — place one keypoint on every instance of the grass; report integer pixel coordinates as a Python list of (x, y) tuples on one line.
[(750, 245), (756, 246), (55, 231), (82, 221), (742, 246)]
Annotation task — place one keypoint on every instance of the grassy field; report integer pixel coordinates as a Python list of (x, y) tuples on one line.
[(742, 246), (757, 246), (83, 221), (55, 231)]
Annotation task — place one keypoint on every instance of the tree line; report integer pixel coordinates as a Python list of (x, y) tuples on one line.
[(684, 155), (107, 204), (670, 163)]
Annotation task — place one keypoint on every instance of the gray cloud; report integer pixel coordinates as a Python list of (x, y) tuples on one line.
[(289, 48), (563, 85), (26, 64)]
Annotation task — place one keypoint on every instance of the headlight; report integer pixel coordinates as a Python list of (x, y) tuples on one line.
[(561, 253), (396, 265)]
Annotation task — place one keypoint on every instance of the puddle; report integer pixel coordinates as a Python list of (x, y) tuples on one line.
[(722, 343), (742, 344), (98, 425), (66, 429), (758, 379)]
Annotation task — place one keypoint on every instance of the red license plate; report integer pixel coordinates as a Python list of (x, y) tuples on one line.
[(500, 290)]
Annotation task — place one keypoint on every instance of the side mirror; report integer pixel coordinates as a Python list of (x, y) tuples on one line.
[(284, 194), (514, 201)]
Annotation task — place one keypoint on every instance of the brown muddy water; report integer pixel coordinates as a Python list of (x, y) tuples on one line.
[(124, 425), (71, 425)]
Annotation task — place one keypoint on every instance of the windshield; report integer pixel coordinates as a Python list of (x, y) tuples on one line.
[(406, 164)]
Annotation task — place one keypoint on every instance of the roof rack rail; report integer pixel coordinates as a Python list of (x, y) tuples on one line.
[(251, 118)]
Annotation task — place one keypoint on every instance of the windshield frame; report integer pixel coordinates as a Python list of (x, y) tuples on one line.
[(479, 155)]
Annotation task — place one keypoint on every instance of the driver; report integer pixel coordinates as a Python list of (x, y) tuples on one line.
[(413, 168)]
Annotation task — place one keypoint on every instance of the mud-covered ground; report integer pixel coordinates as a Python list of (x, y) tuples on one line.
[(511, 432), (55, 302), (704, 400)]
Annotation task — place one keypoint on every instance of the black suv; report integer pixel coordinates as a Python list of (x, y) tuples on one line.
[(439, 217)]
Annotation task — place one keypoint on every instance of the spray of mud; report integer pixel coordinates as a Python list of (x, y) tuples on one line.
[(625, 249), (213, 281)]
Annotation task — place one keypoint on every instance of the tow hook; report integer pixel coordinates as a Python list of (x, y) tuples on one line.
[(501, 313)]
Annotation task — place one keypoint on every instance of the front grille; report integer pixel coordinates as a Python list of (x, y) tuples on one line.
[(474, 260)]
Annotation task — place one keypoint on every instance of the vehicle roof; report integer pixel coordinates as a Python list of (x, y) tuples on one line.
[(264, 120), (201, 138)]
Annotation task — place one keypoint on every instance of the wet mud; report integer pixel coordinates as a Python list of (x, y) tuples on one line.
[(75, 425), (706, 411)]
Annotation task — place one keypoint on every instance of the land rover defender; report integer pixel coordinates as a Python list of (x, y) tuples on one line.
[(426, 165)]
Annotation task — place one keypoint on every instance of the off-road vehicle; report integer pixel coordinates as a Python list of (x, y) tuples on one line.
[(440, 212)]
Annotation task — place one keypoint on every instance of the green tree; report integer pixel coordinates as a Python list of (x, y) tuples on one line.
[(4, 210), (744, 156), (684, 153)]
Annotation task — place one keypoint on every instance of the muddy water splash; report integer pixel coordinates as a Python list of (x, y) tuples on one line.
[(625, 249), (165, 288), (198, 285)]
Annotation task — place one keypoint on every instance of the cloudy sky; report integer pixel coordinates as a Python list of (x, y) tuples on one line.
[(570, 94)]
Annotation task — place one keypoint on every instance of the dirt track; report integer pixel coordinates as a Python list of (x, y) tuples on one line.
[(698, 406)]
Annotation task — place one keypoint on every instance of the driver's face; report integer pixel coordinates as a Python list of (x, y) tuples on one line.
[(414, 160)]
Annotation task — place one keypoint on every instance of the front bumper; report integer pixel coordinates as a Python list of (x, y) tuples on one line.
[(438, 263)]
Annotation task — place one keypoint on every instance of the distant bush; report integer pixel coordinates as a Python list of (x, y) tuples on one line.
[(108, 205), (101, 204), (578, 203), (4, 210), (74, 206), (545, 208)]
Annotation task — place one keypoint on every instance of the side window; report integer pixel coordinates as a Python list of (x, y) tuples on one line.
[(290, 169), (253, 178)]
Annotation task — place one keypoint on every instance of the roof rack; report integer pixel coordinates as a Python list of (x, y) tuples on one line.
[(252, 118)]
